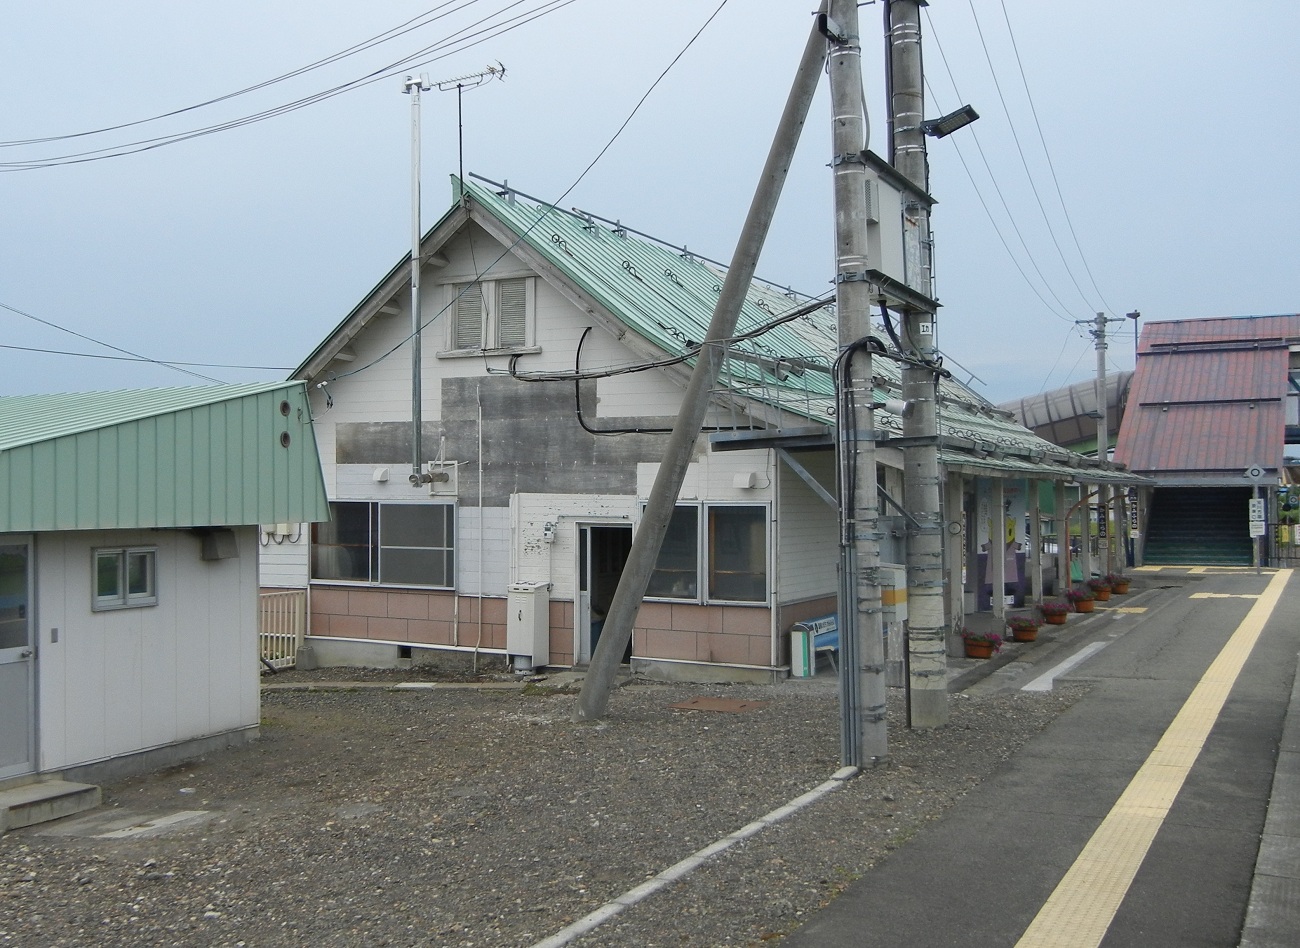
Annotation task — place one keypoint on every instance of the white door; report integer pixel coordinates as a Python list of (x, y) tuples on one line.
[(17, 659)]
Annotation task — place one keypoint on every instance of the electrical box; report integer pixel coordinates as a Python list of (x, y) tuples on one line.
[(528, 625)]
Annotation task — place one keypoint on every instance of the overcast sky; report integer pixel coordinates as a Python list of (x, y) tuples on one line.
[(1166, 183)]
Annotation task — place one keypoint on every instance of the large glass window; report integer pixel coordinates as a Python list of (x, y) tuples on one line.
[(726, 561), (125, 578), (392, 544)]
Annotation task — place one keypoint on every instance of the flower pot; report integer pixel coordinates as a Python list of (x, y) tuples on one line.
[(1083, 605), (979, 649), (1119, 589), (1024, 635), (1055, 620), (1101, 595)]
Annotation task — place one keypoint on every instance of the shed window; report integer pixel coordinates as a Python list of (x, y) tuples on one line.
[(492, 314), (389, 544), (723, 554), (125, 577)]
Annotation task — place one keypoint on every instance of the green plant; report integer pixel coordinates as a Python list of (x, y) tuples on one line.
[(1099, 585), (1054, 607), (1079, 594), (1023, 623)]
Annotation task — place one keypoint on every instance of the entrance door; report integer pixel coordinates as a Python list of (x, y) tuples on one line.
[(17, 671), (602, 553)]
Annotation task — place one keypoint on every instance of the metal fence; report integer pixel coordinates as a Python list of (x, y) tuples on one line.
[(281, 625)]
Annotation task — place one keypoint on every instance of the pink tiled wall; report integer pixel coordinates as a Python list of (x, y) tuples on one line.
[(737, 635)]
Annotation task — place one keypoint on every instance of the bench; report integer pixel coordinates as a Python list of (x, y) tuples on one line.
[(814, 636)]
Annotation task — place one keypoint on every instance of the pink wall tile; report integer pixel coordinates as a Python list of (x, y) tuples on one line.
[(408, 605), (329, 599), (367, 602), (392, 630), (740, 620)]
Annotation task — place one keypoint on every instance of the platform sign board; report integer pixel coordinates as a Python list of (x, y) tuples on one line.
[(1257, 508)]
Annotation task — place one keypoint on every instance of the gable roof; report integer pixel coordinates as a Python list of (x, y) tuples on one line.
[(222, 455), (659, 300), (1209, 397)]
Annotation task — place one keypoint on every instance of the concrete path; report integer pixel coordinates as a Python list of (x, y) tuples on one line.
[(1136, 818)]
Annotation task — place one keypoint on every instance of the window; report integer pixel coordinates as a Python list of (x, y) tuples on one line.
[(125, 577), (726, 555), (392, 544), (491, 314)]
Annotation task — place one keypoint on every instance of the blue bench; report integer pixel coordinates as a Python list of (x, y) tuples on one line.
[(824, 636)]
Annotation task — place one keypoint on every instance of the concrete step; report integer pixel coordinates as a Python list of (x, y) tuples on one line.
[(45, 800)]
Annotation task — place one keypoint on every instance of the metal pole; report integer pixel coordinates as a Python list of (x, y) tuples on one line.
[(1103, 436), (413, 87), (598, 684)]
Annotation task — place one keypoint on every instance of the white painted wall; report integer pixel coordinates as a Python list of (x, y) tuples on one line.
[(807, 532), (128, 680), (283, 560), (711, 477), (534, 559), (482, 568)]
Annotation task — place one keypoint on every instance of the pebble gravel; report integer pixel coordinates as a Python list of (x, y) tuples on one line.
[(468, 817)]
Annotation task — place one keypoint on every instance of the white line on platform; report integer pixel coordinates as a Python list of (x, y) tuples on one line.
[(1044, 681)]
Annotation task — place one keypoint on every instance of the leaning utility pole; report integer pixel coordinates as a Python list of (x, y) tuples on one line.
[(596, 687), (864, 730), (922, 482)]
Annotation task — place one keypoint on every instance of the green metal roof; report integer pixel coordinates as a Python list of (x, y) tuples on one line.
[(222, 455)]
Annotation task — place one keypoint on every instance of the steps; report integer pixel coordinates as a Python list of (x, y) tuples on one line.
[(1198, 526), (30, 803)]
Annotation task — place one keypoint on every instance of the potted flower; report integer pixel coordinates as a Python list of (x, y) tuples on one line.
[(1100, 589), (1054, 611), (1024, 628), (981, 644), (1081, 598), (1118, 583)]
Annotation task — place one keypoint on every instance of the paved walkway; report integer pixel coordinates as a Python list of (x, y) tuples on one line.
[(1162, 809)]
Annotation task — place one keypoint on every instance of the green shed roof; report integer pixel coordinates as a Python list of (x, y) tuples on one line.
[(223, 455)]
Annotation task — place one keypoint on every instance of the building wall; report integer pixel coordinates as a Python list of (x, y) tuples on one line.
[(808, 532), (282, 558), (128, 680)]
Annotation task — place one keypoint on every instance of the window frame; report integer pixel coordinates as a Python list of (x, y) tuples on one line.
[(490, 316), (123, 597), (705, 556), (375, 546)]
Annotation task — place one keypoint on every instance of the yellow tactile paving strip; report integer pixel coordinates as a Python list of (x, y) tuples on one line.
[(1080, 910)]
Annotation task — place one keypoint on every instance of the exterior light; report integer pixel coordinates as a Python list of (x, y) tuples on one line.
[(946, 125)]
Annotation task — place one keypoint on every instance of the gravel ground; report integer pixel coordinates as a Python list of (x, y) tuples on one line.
[(486, 817)]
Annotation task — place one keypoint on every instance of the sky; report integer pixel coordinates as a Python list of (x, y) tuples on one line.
[(1128, 157)]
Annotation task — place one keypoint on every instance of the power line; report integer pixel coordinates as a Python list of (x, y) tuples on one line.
[(1023, 160), (448, 46), (1048, 155), (107, 345), (167, 362)]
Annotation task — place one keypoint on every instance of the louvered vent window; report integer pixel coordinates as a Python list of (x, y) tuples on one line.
[(493, 314)]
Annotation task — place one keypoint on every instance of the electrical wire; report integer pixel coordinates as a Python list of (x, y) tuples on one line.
[(445, 48), (1048, 155), (168, 362), (107, 345), (548, 209), (389, 34), (979, 30)]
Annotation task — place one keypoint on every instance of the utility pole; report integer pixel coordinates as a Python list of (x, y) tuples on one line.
[(413, 86), (596, 687), (1098, 333), (927, 648), (863, 729)]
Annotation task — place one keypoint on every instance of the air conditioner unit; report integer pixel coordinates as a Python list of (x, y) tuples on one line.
[(442, 481)]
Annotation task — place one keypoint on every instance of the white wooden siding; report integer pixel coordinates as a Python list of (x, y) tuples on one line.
[(128, 680), (808, 532), (483, 569), (283, 561)]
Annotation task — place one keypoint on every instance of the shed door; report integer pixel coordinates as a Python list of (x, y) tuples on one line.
[(17, 672)]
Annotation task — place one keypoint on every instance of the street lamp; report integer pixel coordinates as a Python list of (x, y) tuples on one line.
[(1135, 316), (947, 124)]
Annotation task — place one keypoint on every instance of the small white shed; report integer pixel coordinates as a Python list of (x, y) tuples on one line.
[(128, 568)]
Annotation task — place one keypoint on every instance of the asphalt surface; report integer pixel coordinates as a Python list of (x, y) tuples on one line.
[(981, 875)]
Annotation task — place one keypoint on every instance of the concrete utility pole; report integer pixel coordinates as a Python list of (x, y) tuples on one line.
[(864, 730), (596, 687), (1098, 333), (413, 87), (927, 648)]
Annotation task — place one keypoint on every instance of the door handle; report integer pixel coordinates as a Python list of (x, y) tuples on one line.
[(25, 653)]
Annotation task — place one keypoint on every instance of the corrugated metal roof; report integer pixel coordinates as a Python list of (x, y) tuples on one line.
[(214, 456), (667, 296), (1208, 396)]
